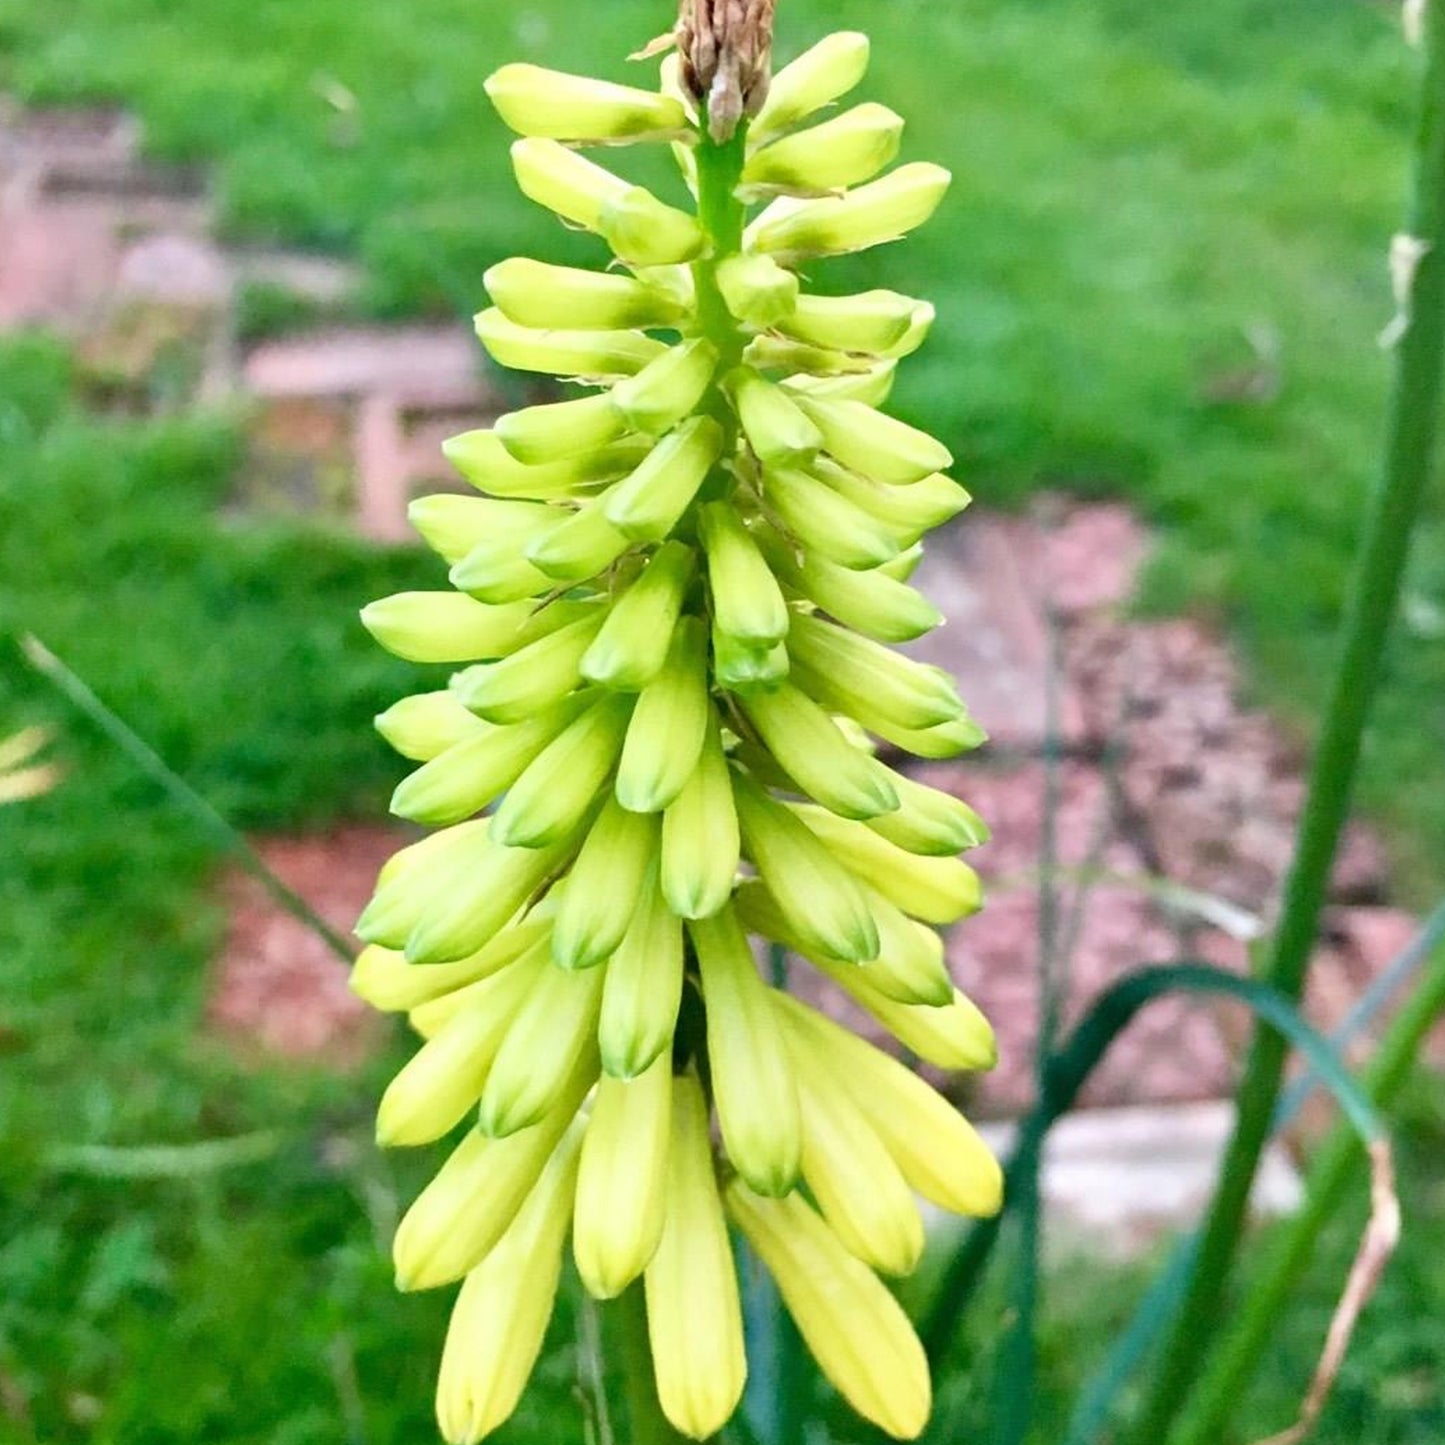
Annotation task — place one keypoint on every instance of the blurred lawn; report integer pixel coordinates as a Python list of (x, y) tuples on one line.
[(1139, 187)]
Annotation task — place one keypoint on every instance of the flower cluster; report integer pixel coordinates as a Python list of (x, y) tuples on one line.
[(674, 602)]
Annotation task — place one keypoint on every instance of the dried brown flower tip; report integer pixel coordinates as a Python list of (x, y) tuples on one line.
[(726, 50)]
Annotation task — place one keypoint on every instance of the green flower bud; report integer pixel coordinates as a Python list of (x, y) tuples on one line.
[(482, 459), (451, 526), (757, 290), (904, 565), (497, 569), (408, 879), (553, 1028), (871, 386), (425, 726), (645, 232), (747, 603), (444, 1079), (643, 987), (826, 523), (668, 389), (669, 725), (816, 78), (821, 901), (445, 626), (809, 746), (877, 445), (700, 839), (632, 646), (776, 429), (880, 211), (551, 103), (930, 822), (585, 354), (842, 152), (753, 1085), (868, 602), (533, 677), (737, 665), (946, 740), (468, 776), (872, 321), (533, 293), (646, 506), (580, 547), (956, 1036), (599, 895), (577, 189), (918, 328), (561, 429), (938, 890), (560, 788), (907, 511), (781, 353)]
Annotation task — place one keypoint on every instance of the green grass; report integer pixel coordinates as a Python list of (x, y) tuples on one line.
[(1138, 185)]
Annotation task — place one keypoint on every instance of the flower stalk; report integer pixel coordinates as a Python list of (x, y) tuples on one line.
[(1379, 573)]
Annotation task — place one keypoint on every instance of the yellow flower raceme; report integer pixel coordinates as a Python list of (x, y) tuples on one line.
[(670, 625)]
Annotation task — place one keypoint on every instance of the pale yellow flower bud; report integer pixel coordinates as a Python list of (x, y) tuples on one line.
[(622, 1188), (645, 232), (700, 839), (875, 444), (747, 603), (738, 665), (585, 354), (752, 1078), (929, 821), (669, 725), (816, 78), (581, 547), (869, 602), (825, 522), (575, 188), (532, 677), (844, 151), (632, 646), (855, 1329), (907, 511), (694, 1314), (424, 726), (533, 293), (776, 428), (871, 321), (757, 290), (599, 896), (667, 389), (538, 102), (482, 459), (871, 385), (647, 505), (643, 987), (445, 626), (560, 429)]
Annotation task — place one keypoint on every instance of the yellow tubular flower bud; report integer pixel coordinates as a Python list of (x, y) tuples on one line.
[(384, 978), (451, 526), (577, 189), (622, 1187), (872, 386), (929, 821), (909, 968), (816, 78), (460, 1216), (581, 547), (859, 1189), (872, 321), (645, 232), (408, 883), (643, 987), (501, 1314), (423, 727), (445, 1077), (844, 151), (481, 458), (550, 800), (647, 505), (468, 776), (757, 290), (599, 895), (955, 1036), (669, 725), (883, 210), (869, 602), (533, 293), (632, 646), (532, 677), (752, 1079), (939, 1152), (826, 523), (776, 429), (564, 353), (700, 839), (694, 1314), (551, 103), (822, 902), (855, 1329), (910, 694), (560, 429), (877, 445), (667, 389), (554, 1027), (946, 740), (444, 626), (747, 603), (907, 511), (497, 570), (478, 904), (938, 890), (811, 749)]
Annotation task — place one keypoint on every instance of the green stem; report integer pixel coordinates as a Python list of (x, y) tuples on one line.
[(1242, 1351), (1414, 412), (630, 1352)]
